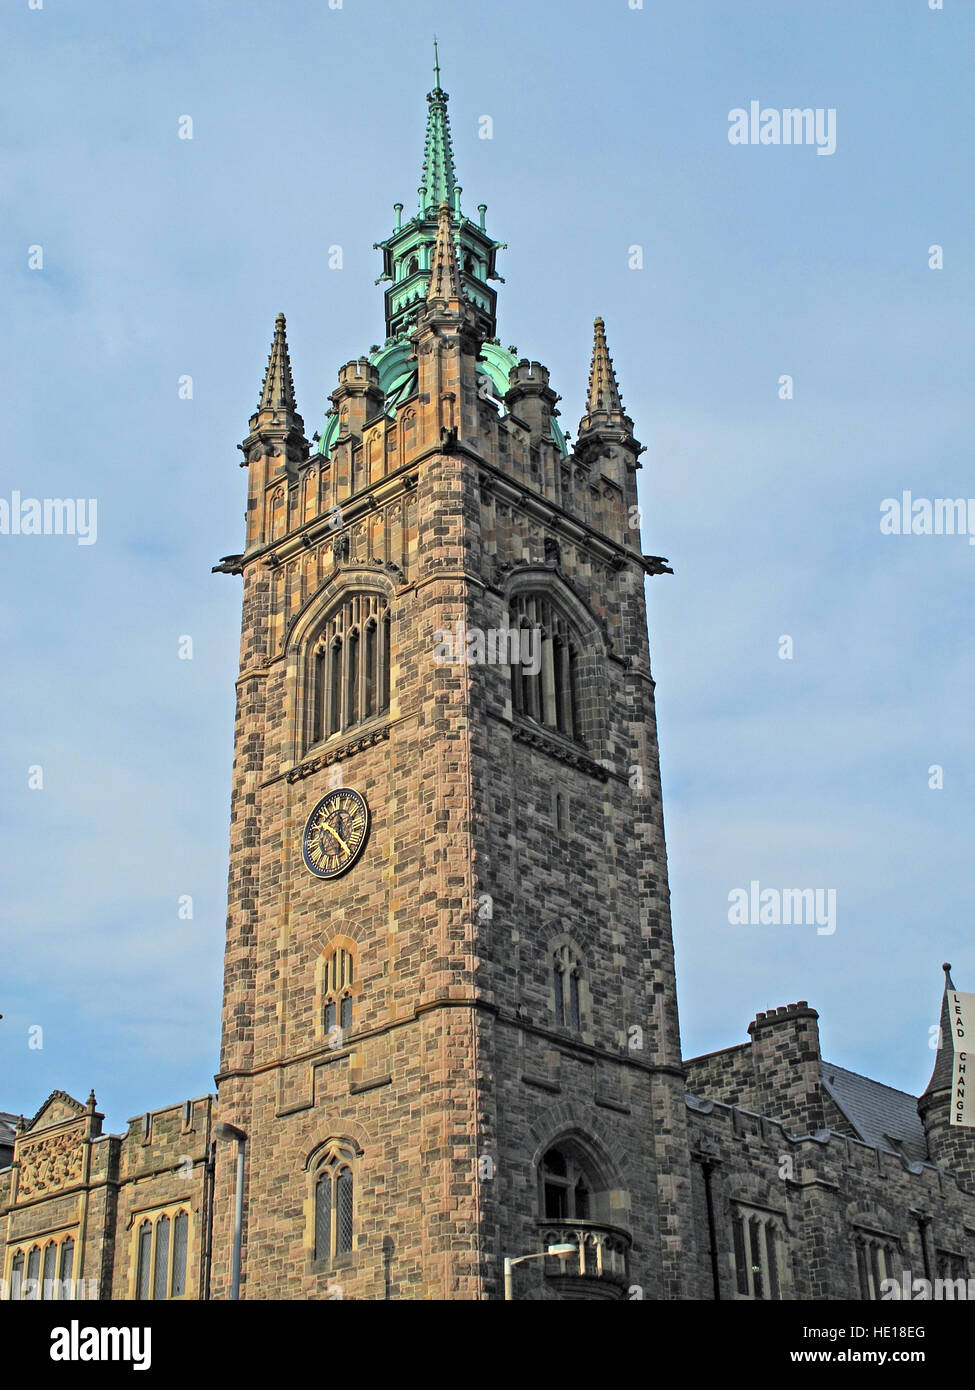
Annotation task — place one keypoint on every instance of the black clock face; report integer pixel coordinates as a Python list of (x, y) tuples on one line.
[(335, 833)]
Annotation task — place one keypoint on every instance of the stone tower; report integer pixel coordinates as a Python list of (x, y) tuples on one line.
[(450, 1023)]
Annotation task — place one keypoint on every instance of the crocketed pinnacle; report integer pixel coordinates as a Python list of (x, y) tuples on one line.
[(444, 286), (278, 391), (439, 180), (603, 404)]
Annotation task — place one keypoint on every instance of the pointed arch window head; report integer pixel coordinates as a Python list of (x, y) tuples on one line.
[(544, 682), (66, 1268), (348, 672), (161, 1252), (570, 1186), (877, 1259), (757, 1247), (145, 1260), (339, 989), (334, 1202), (33, 1273), (47, 1272), (17, 1276)]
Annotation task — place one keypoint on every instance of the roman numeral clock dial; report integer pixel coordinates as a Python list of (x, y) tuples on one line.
[(335, 834)]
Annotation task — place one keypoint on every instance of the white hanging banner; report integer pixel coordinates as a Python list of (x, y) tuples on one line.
[(961, 1020)]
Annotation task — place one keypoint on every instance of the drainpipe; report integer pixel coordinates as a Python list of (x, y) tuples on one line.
[(209, 1175), (707, 1168), (923, 1225)]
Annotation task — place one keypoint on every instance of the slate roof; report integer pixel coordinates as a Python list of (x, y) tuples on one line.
[(8, 1127), (882, 1116)]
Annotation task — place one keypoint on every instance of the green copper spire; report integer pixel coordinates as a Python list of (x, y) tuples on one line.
[(409, 251), (439, 179)]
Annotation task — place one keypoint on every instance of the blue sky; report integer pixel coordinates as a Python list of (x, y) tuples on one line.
[(165, 257)]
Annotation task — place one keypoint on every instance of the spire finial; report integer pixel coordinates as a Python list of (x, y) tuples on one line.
[(278, 390), (439, 179), (946, 967)]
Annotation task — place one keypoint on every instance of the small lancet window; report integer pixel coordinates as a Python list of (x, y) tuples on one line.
[(338, 994), (567, 988)]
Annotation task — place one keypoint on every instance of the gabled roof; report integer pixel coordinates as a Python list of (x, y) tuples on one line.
[(58, 1106), (883, 1117)]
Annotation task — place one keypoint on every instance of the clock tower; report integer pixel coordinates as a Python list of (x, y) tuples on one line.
[(450, 1024)]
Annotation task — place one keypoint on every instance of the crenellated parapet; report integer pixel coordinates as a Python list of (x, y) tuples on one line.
[(89, 1215), (830, 1216)]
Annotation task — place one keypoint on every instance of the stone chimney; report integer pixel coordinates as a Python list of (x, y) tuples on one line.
[(786, 1067)]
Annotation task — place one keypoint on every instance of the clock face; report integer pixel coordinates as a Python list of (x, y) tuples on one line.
[(336, 833)]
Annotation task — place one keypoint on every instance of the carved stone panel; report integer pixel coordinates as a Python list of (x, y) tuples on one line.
[(49, 1164)]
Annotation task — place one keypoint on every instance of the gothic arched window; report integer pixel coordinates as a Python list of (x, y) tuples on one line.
[(757, 1243), (48, 1271), (581, 1202), (17, 1275), (544, 669), (349, 669), (567, 987), (145, 1260), (161, 1248), (877, 1259), (33, 1273), (47, 1275), (339, 987), (67, 1261), (334, 1204), (568, 1185), (161, 1263)]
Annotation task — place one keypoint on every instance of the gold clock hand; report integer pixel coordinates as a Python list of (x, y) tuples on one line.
[(332, 831)]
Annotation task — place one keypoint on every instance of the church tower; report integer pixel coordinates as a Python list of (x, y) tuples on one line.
[(450, 1024)]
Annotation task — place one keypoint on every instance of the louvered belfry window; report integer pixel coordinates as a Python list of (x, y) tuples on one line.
[(544, 678), (349, 670)]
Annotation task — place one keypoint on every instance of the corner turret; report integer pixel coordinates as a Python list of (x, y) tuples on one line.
[(951, 1145)]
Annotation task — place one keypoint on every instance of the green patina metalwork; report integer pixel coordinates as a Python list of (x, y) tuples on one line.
[(407, 255), (407, 252), (398, 382)]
